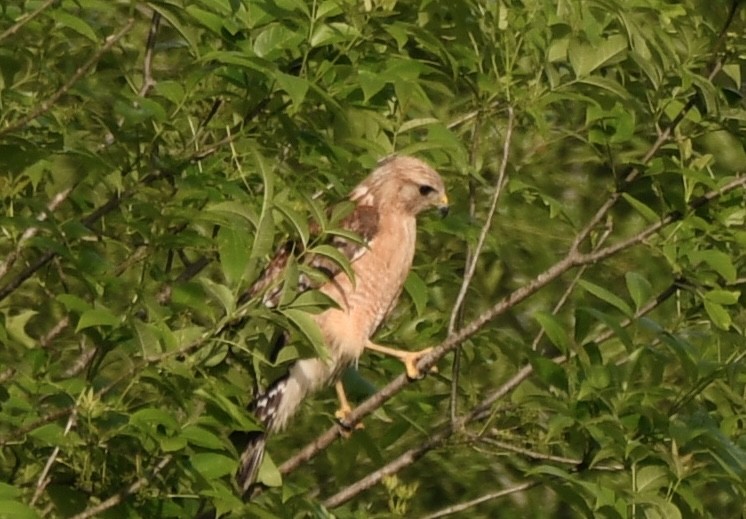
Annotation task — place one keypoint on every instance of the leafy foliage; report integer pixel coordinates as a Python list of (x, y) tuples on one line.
[(154, 154)]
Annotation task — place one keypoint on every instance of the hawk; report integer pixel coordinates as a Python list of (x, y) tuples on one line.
[(386, 204)]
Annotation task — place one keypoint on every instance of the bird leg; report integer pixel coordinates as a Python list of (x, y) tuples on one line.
[(344, 408), (409, 358)]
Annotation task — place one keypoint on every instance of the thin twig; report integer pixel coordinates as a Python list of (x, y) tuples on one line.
[(147, 67), (636, 171), (472, 256), (89, 220), (404, 460), (569, 290), (121, 495), (487, 223), (487, 497), (32, 231), (48, 103), (10, 31), (43, 480), (46, 340)]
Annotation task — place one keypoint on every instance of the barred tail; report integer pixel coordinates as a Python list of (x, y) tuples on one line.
[(274, 408), (251, 460)]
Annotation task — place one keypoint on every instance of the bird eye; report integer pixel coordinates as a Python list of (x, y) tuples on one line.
[(426, 190)]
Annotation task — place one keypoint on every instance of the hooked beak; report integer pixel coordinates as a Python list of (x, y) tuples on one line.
[(443, 206)]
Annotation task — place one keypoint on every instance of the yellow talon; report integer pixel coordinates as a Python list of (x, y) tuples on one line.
[(344, 411), (409, 358)]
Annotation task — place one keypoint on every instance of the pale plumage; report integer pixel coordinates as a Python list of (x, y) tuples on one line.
[(386, 205)]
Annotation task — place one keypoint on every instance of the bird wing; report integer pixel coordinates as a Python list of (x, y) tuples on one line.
[(356, 231)]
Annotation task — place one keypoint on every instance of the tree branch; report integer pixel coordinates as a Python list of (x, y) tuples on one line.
[(572, 259), (472, 256), (47, 104), (487, 497), (10, 31), (119, 497), (147, 67), (43, 481), (29, 233)]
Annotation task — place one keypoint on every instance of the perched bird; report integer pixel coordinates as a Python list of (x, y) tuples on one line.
[(386, 204)]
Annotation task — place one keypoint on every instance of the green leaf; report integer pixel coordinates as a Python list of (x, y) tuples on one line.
[(212, 466), (334, 32), (608, 84), (73, 303), (371, 83), (9, 491), (265, 229), (275, 39), (76, 24), (611, 322), (149, 418), (209, 20), (299, 222), (723, 297), (296, 87), (719, 261), (647, 213), (147, 338), (586, 57), (99, 316), (310, 330), (554, 330), (607, 296), (651, 477), (550, 372), (336, 256), (269, 474), (220, 293), (175, 20), (719, 315), (51, 434), (417, 290), (16, 327), (639, 288), (239, 418), (15, 510), (417, 123), (234, 248)]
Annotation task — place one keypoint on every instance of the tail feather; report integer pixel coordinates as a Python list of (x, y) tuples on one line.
[(251, 460), (274, 407), (264, 407)]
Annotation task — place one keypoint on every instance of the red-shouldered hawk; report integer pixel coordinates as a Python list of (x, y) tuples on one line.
[(384, 216)]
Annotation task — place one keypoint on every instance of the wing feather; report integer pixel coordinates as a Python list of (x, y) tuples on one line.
[(360, 226)]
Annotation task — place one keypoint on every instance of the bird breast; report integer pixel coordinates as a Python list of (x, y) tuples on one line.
[(365, 301)]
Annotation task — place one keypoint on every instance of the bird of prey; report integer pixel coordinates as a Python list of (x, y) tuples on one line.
[(386, 205)]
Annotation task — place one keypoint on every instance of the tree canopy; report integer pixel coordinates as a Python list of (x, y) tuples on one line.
[(584, 297)]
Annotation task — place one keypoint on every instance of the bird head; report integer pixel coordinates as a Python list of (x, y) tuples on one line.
[(404, 184)]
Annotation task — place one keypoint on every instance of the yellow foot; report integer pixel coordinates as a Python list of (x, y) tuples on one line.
[(341, 415), (411, 359)]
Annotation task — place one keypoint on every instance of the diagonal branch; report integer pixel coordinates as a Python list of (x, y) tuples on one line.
[(572, 259), (48, 103), (29, 233), (482, 499), (10, 31), (124, 493), (478, 412)]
